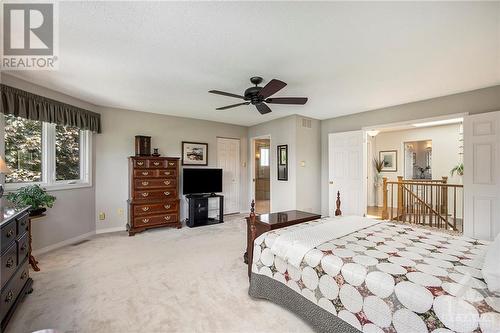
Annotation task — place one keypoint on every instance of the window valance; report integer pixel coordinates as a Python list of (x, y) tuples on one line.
[(24, 104)]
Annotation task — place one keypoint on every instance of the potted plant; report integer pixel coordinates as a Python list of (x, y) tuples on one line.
[(34, 196), (459, 169)]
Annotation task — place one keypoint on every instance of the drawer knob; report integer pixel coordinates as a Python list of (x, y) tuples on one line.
[(145, 183), (145, 173), (10, 233), (167, 206), (10, 262), (171, 163), (140, 163), (167, 182), (167, 218), (166, 193), (156, 163), (145, 220), (145, 194), (145, 209), (9, 297), (167, 173)]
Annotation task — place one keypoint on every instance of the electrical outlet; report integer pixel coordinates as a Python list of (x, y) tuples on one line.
[(102, 216), (120, 211)]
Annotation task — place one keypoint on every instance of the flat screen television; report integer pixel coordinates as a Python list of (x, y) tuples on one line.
[(201, 180)]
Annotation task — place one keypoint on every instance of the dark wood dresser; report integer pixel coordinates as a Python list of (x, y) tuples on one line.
[(14, 244), (154, 193)]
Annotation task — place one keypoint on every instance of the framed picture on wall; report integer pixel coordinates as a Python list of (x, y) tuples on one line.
[(282, 157), (194, 153), (282, 162), (389, 159)]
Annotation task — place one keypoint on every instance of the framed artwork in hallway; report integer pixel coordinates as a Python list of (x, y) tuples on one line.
[(389, 159)]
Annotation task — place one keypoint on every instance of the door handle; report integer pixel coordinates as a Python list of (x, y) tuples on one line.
[(330, 182)]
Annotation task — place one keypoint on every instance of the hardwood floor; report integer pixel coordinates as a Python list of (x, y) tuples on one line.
[(262, 206), (374, 212)]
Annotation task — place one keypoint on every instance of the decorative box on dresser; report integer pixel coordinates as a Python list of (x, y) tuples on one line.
[(14, 247), (154, 193)]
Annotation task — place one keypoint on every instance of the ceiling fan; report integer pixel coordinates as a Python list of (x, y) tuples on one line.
[(259, 96)]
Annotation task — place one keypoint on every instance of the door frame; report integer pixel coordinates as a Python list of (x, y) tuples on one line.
[(252, 168), (239, 167)]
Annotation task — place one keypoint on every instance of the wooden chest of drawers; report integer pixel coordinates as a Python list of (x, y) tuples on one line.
[(14, 248), (154, 193)]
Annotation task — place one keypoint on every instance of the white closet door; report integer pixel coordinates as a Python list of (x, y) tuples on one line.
[(228, 158), (482, 175), (347, 172)]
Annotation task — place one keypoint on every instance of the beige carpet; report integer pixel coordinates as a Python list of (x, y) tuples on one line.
[(166, 280)]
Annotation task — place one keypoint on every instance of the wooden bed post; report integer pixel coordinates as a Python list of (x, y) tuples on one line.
[(252, 220), (338, 212), (252, 236)]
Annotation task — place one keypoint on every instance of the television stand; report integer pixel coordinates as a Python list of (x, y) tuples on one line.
[(198, 210)]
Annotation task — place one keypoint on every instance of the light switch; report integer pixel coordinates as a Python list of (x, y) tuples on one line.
[(102, 216), (302, 163)]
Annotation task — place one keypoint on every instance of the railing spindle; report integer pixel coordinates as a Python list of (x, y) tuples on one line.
[(455, 208)]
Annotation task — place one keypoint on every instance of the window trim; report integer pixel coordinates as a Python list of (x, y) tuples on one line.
[(49, 181)]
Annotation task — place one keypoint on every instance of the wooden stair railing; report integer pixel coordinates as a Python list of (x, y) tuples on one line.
[(423, 202)]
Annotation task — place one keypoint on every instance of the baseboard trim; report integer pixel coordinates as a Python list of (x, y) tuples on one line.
[(108, 230), (63, 243)]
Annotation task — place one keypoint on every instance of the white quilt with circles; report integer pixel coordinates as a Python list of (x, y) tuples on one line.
[(391, 278)]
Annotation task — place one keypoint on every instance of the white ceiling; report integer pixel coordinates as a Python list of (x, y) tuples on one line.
[(163, 57)]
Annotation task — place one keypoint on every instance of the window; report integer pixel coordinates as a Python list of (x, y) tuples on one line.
[(67, 153), (264, 157), (23, 150), (53, 156)]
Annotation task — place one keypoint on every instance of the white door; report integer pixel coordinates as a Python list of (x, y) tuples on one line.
[(228, 158), (482, 175), (347, 172)]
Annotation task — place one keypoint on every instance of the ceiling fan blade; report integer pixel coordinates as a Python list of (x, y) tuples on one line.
[(223, 93), (262, 108), (271, 88), (232, 106), (287, 100)]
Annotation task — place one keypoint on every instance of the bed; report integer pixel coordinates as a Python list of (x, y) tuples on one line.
[(350, 274)]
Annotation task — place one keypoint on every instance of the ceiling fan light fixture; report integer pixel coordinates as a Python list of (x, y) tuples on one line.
[(258, 96)]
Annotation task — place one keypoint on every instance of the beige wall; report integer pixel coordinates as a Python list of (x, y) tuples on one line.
[(445, 148), (308, 162), (282, 132), (476, 101), (301, 189), (116, 143), (73, 213)]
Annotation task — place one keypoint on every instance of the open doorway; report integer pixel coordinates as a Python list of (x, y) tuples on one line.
[(262, 177), (422, 165)]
